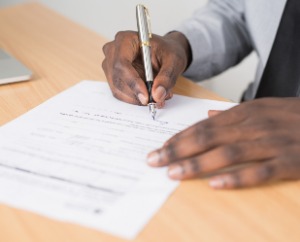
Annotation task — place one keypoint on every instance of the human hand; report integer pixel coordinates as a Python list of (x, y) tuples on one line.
[(264, 133), (124, 69)]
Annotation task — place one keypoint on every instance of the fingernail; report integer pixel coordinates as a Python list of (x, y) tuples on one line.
[(142, 98), (160, 93), (212, 113), (153, 158), (175, 172), (217, 183)]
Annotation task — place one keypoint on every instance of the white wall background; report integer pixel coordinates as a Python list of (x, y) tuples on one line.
[(106, 17)]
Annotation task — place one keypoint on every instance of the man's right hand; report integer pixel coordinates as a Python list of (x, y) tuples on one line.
[(124, 69)]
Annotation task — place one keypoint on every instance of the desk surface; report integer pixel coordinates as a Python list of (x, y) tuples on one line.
[(61, 53)]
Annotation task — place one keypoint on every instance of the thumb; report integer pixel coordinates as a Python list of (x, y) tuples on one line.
[(163, 84)]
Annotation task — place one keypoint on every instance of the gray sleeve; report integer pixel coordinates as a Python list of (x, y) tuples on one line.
[(218, 37)]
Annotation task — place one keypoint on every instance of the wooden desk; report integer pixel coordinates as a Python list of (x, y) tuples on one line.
[(61, 53)]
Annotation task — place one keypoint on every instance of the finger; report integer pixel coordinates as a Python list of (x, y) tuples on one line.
[(284, 166), (231, 138), (127, 43), (160, 105), (212, 113), (170, 95), (223, 157), (229, 117), (116, 84), (251, 176), (126, 79), (127, 96), (159, 93), (104, 67), (165, 80), (126, 51), (122, 91), (198, 142), (120, 71), (107, 48)]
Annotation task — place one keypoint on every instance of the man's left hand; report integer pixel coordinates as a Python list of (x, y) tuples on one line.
[(264, 134)]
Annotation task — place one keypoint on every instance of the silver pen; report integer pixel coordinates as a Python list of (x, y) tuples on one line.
[(144, 29)]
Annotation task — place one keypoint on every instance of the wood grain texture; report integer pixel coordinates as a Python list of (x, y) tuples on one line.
[(61, 53)]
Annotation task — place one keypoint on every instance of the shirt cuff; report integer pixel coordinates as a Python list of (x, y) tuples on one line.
[(200, 66)]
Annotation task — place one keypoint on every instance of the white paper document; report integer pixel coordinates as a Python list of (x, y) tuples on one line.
[(80, 157)]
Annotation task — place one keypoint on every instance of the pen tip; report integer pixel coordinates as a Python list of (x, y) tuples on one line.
[(153, 116), (152, 110)]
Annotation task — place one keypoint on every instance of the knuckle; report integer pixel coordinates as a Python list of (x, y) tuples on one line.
[(173, 139), (232, 153), (106, 48), (170, 152), (133, 84), (235, 181), (266, 126), (265, 172), (179, 61), (118, 83), (204, 137), (122, 79), (116, 78), (118, 71), (194, 165), (120, 35), (104, 65), (118, 67), (169, 74)]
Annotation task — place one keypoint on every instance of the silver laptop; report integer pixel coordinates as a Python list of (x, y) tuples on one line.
[(11, 70)]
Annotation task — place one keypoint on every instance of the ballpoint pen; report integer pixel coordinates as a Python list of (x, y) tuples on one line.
[(144, 30)]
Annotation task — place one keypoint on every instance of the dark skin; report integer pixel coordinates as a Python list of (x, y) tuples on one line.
[(124, 70), (263, 134)]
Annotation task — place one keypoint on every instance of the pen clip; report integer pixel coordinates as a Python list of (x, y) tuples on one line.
[(148, 22)]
